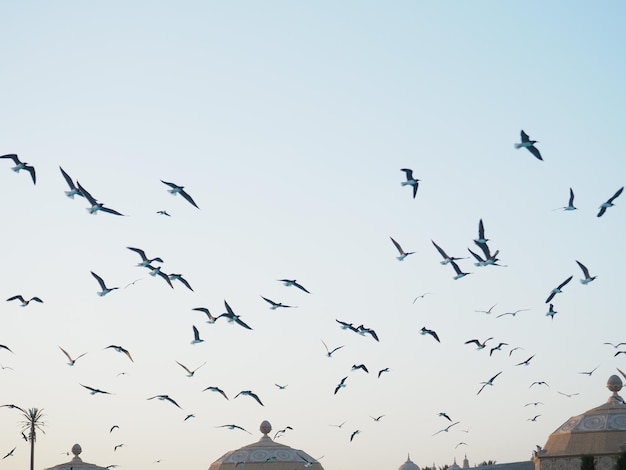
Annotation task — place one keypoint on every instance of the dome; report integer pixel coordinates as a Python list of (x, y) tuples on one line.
[(599, 431), (266, 454), (408, 465), (76, 463)]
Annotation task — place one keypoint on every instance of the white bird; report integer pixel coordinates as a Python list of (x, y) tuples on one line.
[(196, 336), (104, 289), (488, 382), (165, 398), (570, 203), (24, 302), (180, 190), (211, 318), (529, 145), (21, 166), (444, 255), (250, 394), (403, 254), (488, 312), (459, 273), (329, 352), (145, 261), (69, 358), (557, 290), (585, 271), (478, 344), (190, 373), (410, 180), (426, 331), (232, 317), (526, 362), (292, 282), (95, 205), (275, 305), (609, 203), (340, 385), (74, 191), (513, 313), (447, 428), (233, 426)]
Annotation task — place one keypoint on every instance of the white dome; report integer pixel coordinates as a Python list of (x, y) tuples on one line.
[(408, 465)]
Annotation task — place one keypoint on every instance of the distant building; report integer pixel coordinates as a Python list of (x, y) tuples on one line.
[(76, 463), (408, 465)]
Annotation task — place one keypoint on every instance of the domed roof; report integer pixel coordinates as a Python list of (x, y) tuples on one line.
[(76, 463), (408, 465), (266, 454), (601, 430)]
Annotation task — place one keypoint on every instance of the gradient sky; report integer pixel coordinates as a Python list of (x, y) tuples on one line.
[(288, 123)]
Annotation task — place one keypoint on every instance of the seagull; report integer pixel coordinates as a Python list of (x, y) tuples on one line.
[(21, 166), (347, 326), (569, 395), (447, 428), (459, 273), (377, 418), (190, 372), (526, 362), (410, 180), (145, 261), (488, 382), (551, 312), (211, 318), (115, 426), (216, 389), (479, 345), (529, 144), (117, 446), (105, 290), (275, 305), (281, 387), (587, 278), (10, 454), (534, 418), (95, 391), (488, 312), (74, 191), (163, 213), (282, 431), (2, 346), (340, 385), (12, 406), (615, 345), (179, 190), (329, 353), (460, 444), (156, 271), (381, 371), (481, 240), (444, 255), (354, 434), (69, 358), (540, 382), (426, 331), (338, 425), (196, 336), (535, 403), (609, 203), (24, 302), (232, 317), (590, 372), (570, 204), (513, 313), (5, 367), (497, 348), (189, 416), (120, 349), (165, 398), (403, 254), (444, 415), (557, 290), (233, 426), (292, 282), (420, 296), (309, 463), (360, 366), (179, 277), (250, 394), (362, 330), (95, 205)]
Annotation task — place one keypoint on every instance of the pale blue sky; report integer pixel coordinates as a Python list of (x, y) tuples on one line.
[(288, 123)]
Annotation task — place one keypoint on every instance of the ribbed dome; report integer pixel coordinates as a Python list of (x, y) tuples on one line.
[(266, 454), (601, 430), (408, 465)]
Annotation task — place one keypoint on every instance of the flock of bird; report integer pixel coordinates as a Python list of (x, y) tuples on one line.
[(487, 257)]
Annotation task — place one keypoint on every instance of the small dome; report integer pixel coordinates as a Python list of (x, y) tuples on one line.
[(266, 454), (408, 465)]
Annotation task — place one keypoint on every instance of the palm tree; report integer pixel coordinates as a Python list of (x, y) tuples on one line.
[(32, 422)]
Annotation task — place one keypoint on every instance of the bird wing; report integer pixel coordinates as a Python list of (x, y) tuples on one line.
[(171, 185), (188, 197), (85, 193), (139, 251), (524, 136), (271, 302), (619, 191), (564, 283), (19, 297), (184, 367), (68, 180), (31, 170), (535, 151), (196, 333), (69, 358), (185, 283), (584, 268), (241, 322), (397, 245), (171, 401), (408, 172), (13, 157), (571, 198), (475, 255), (415, 189), (110, 211), (441, 252), (299, 286), (100, 281)]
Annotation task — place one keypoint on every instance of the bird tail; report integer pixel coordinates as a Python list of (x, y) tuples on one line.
[(69, 194), (404, 183), (517, 146)]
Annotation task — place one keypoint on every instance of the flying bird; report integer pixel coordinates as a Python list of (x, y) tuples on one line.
[(529, 145), (421, 296), (163, 213), (120, 349), (354, 434), (21, 166), (118, 446), (609, 203), (10, 454), (115, 426), (292, 282), (446, 259), (12, 406), (447, 428), (2, 346), (526, 362), (488, 312), (74, 191), (513, 313), (104, 290), (340, 385), (497, 348), (189, 416), (233, 426), (232, 317), (180, 278), (362, 330), (165, 398), (481, 240), (24, 302), (570, 395), (551, 312), (488, 382), (145, 261), (180, 190), (444, 415), (275, 305), (540, 382), (281, 387), (190, 373), (381, 371), (156, 271), (459, 273), (329, 352), (570, 203), (69, 358), (534, 418), (557, 290), (360, 366), (426, 331), (410, 180), (95, 391), (377, 418), (590, 372), (211, 318), (403, 254), (585, 271), (217, 390), (196, 336), (478, 344), (95, 205), (251, 395)]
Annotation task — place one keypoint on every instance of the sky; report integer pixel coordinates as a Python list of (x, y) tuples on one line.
[(288, 123)]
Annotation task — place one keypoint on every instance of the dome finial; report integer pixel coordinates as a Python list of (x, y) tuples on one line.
[(266, 427), (76, 449)]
